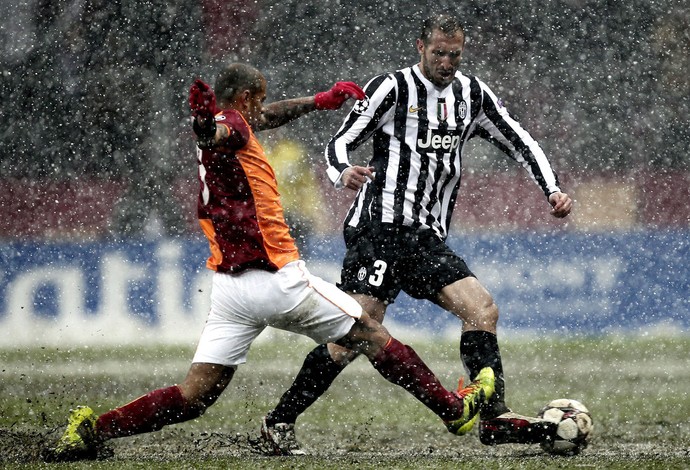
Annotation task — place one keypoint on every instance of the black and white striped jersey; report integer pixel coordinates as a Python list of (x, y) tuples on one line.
[(419, 133)]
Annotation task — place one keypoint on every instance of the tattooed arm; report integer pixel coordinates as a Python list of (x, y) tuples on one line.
[(281, 112)]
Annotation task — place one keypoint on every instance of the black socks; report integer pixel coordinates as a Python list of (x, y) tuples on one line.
[(315, 377), (479, 349)]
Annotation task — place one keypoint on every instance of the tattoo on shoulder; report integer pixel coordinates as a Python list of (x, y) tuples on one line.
[(223, 132)]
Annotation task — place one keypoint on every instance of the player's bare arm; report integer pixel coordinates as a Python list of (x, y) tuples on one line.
[(281, 112), (561, 204)]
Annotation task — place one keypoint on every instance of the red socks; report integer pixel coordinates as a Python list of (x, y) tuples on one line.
[(401, 365), (396, 362), (147, 413)]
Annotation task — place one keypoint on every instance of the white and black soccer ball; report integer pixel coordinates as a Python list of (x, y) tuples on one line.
[(574, 426)]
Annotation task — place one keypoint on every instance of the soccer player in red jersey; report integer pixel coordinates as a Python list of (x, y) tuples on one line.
[(259, 279)]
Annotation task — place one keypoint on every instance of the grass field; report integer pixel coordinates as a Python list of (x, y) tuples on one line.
[(636, 388)]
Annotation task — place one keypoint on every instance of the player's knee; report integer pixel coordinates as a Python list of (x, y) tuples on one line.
[(341, 355), (204, 384), (366, 335), (374, 331), (485, 316)]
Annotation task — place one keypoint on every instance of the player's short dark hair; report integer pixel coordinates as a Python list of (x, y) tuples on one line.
[(235, 78), (443, 22)]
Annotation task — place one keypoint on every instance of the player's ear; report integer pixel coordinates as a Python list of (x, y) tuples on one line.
[(242, 99), (420, 45)]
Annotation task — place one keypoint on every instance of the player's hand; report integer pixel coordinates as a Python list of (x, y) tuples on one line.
[(561, 204), (354, 177), (336, 96), (202, 104), (202, 100)]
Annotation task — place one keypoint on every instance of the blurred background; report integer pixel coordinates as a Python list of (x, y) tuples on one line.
[(94, 140), (96, 147)]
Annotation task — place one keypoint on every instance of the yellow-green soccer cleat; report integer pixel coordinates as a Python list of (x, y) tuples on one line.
[(79, 441), (473, 397)]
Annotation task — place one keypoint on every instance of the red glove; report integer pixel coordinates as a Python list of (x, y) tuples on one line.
[(202, 100), (336, 96), (202, 103)]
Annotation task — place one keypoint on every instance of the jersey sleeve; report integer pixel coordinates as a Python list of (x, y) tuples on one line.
[(238, 130), (366, 116), (495, 124)]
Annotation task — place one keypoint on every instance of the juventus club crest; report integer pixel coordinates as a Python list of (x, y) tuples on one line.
[(441, 110), (462, 110)]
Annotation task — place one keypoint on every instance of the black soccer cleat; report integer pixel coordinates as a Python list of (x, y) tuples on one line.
[(512, 428)]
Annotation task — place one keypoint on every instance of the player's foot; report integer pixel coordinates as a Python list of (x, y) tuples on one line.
[(473, 397), (79, 441), (512, 428), (279, 439)]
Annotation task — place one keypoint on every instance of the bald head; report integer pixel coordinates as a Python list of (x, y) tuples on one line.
[(236, 78)]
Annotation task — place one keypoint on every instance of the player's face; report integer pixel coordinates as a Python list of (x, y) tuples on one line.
[(255, 106), (440, 57)]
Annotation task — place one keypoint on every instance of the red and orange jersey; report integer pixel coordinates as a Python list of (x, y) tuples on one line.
[(239, 206)]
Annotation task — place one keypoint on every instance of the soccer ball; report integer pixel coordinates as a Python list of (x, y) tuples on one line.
[(574, 426)]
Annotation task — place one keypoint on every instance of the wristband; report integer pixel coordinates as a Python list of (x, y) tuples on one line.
[(206, 135)]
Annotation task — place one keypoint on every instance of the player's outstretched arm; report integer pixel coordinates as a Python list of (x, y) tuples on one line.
[(561, 204), (202, 105), (281, 112)]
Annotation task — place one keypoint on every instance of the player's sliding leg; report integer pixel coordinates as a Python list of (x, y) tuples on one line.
[(147, 413), (86, 433), (396, 362), (401, 365), (498, 424)]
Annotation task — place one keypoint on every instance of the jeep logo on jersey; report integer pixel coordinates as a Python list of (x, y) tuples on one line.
[(437, 140)]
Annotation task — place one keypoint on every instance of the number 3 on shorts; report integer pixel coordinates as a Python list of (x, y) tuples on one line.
[(380, 267)]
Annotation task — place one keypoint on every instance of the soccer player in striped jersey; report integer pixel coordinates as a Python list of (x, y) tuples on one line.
[(420, 119), (259, 280)]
